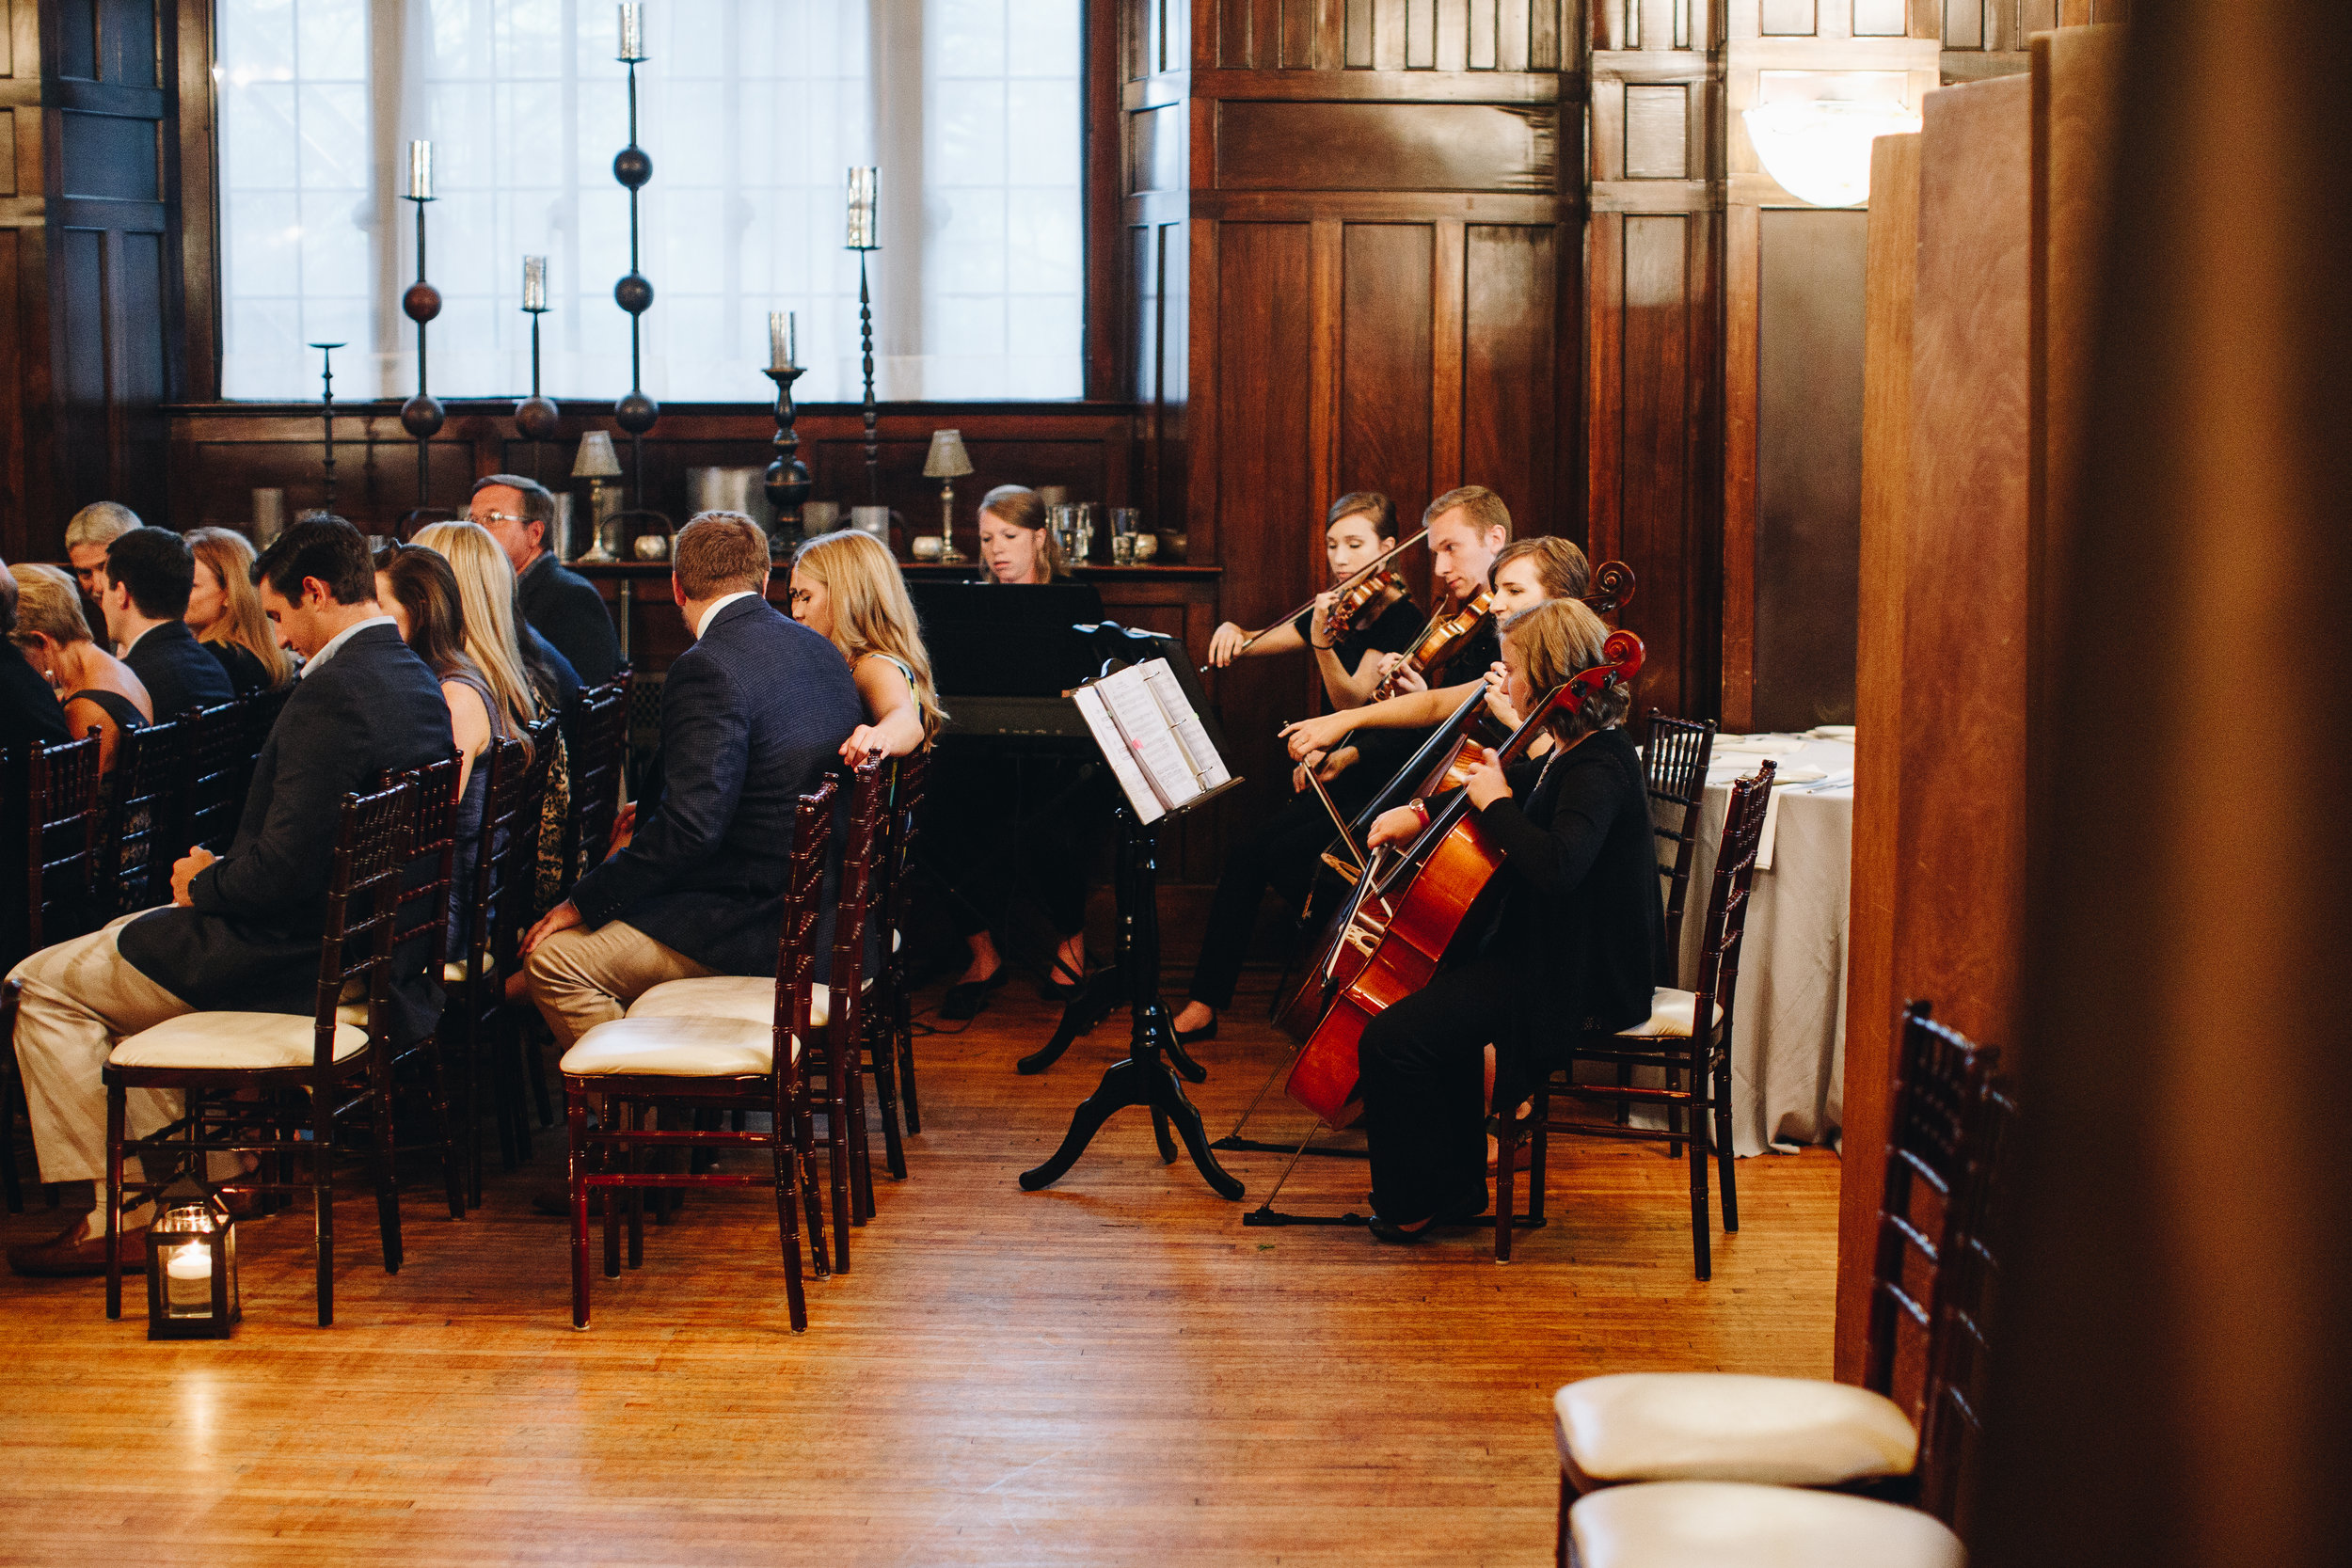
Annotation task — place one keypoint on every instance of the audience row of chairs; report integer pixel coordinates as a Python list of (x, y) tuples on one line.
[(1668, 1468)]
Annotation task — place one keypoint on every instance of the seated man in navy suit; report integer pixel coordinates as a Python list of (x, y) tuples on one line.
[(242, 931), (144, 591), (752, 715)]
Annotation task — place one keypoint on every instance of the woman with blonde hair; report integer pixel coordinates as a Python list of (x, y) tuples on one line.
[(98, 690), (847, 590), (1016, 546), (225, 613)]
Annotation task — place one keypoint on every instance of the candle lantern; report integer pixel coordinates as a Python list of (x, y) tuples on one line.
[(947, 461), (535, 417), (191, 1272)]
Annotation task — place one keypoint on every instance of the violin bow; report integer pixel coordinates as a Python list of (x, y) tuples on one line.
[(1346, 837), (1358, 575)]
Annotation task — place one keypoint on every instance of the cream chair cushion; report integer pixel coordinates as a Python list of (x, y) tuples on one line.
[(1670, 1015), (1720, 1426), (675, 1048), (748, 997), (1709, 1523), (457, 972), (241, 1041)]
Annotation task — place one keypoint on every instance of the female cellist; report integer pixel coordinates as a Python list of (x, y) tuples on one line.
[(1570, 932), (1359, 529), (1280, 852)]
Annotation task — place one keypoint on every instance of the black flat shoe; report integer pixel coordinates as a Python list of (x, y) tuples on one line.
[(1206, 1031), (1058, 990), (1381, 1230), (965, 998)]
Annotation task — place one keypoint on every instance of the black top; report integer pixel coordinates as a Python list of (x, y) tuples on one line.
[(243, 666), (562, 690), (30, 715), (1575, 911), (177, 670), (1392, 631), (248, 940), (118, 707), (570, 613)]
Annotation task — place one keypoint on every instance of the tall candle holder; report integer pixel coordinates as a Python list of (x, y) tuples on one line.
[(327, 414), (787, 483), (535, 417), (633, 167), (420, 416), (864, 197)]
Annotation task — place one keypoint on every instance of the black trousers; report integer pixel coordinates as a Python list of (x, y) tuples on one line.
[(1422, 1066), (979, 797), (1282, 853)]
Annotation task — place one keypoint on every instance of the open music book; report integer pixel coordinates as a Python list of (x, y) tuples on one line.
[(1152, 737)]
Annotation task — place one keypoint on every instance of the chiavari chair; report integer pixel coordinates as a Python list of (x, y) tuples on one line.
[(839, 1009), (61, 857), (889, 1012), (714, 1061), (1673, 764), (421, 946), (256, 1082), (603, 735), (219, 766), (141, 806), (1657, 1446), (1687, 1036)]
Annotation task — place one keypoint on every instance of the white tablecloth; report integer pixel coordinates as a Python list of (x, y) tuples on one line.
[(1788, 1014)]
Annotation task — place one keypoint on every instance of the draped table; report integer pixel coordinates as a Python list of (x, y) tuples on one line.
[(1788, 1013)]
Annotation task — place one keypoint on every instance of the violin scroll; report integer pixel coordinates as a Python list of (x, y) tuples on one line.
[(1623, 653)]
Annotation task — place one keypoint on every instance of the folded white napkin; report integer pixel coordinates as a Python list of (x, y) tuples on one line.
[(1755, 744), (1798, 775), (1830, 731)]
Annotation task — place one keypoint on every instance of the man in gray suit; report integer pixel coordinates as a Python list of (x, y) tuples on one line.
[(242, 931)]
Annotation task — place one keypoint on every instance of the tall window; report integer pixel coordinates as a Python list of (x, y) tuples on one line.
[(751, 110)]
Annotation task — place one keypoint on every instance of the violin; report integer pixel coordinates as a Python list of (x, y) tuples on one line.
[(1444, 636), (1354, 589), (1353, 608), (1408, 908)]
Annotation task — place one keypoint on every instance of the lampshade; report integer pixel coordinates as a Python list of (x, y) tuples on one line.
[(1820, 151), (595, 459), (947, 459)]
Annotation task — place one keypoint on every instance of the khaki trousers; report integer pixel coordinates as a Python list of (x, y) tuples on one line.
[(81, 998), (580, 977)]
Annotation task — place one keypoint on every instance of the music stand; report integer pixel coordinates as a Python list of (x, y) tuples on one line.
[(1144, 1077)]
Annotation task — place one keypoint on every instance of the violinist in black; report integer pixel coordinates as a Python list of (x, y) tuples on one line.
[(1569, 934), (1282, 852)]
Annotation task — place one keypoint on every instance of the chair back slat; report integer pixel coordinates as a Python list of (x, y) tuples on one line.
[(61, 822), (142, 800), (803, 893), (1952, 1405), (1674, 762), (370, 862), (856, 897), (506, 775), (219, 766), (909, 776), (602, 734), (421, 930), (1727, 900)]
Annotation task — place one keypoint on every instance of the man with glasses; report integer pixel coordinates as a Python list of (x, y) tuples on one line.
[(562, 606)]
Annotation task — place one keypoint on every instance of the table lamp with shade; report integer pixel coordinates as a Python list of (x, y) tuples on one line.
[(948, 463), (597, 463)]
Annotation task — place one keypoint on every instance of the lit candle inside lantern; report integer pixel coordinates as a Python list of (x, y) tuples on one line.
[(420, 171), (632, 30), (188, 1275), (784, 340), (534, 282), (864, 195)]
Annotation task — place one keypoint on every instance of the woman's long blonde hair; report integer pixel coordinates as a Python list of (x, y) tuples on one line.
[(872, 612), (1557, 639), (230, 557), (486, 592)]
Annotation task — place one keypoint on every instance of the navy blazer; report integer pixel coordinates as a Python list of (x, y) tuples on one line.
[(569, 612), (752, 717), (248, 941), (179, 671)]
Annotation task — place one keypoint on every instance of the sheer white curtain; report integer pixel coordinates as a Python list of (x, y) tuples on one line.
[(752, 111)]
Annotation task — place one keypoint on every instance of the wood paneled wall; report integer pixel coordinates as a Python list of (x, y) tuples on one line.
[(90, 344)]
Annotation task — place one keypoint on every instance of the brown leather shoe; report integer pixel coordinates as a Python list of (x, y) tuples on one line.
[(68, 1257)]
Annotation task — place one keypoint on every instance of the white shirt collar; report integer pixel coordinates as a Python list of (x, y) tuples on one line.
[(335, 642), (717, 605)]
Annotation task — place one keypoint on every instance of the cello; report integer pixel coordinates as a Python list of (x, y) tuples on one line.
[(1406, 907)]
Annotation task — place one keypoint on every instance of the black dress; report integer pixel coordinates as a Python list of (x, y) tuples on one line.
[(118, 707), (245, 670), (30, 715), (1282, 852), (1569, 932)]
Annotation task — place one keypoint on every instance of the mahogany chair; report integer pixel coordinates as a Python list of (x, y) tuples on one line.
[(476, 1015), (1947, 1169), (219, 766), (1695, 1056), (421, 947), (1674, 762), (715, 1061), (142, 805), (295, 1074), (889, 1012), (62, 858), (596, 764), (838, 1010)]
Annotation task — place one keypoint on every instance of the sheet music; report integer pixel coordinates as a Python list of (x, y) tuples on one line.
[(1208, 769), (1149, 734), (1115, 752)]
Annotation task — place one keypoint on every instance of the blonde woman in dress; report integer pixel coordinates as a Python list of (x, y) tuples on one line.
[(847, 589)]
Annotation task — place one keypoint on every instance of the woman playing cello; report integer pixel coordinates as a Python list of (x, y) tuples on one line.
[(1569, 933)]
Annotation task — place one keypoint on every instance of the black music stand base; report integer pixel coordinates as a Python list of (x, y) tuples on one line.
[(1145, 1078)]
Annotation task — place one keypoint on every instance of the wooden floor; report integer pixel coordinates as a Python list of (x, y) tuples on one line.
[(1113, 1370)]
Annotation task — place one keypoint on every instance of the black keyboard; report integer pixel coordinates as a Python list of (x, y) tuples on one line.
[(976, 717)]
